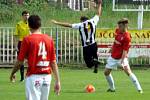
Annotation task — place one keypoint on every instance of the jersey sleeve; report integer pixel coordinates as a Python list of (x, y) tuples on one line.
[(23, 50), (127, 43), (95, 19), (116, 31), (16, 30), (53, 54), (76, 25)]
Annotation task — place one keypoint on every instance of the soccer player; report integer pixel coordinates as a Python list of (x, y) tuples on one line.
[(22, 30), (39, 51), (87, 29), (119, 56)]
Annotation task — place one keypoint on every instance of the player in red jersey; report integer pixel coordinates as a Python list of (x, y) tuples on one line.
[(119, 56), (39, 50)]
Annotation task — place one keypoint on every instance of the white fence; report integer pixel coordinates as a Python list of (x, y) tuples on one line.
[(67, 41)]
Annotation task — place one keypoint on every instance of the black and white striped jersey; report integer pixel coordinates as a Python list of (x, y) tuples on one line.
[(87, 30)]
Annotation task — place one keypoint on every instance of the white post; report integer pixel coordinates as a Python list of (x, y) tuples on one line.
[(74, 4), (12, 45), (82, 5), (78, 5), (69, 45), (140, 17), (3, 45), (73, 46), (61, 47), (77, 48), (113, 5), (70, 3), (8, 48), (65, 48)]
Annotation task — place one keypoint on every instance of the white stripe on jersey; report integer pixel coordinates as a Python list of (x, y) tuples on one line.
[(87, 30)]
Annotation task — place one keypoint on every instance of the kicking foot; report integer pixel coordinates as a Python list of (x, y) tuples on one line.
[(110, 90), (98, 62)]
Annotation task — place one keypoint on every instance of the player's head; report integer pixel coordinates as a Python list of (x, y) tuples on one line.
[(83, 18), (123, 24), (25, 15), (34, 22)]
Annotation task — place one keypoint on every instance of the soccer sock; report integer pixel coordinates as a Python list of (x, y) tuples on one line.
[(135, 81), (110, 81), (22, 72)]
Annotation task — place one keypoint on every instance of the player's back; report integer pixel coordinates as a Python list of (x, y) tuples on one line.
[(40, 51)]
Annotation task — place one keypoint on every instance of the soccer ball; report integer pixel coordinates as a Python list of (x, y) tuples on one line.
[(89, 88)]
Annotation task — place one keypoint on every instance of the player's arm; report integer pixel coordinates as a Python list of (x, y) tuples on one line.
[(110, 50), (62, 23), (99, 10), (21, 57), (126, 47), (57, 86), (15, 39), (98, 14), (54, 67), (15, 69), (124, 55)]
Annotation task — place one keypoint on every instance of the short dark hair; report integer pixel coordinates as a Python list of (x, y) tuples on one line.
[(34, 22), (25, 12), (84, 18), (123, 21)]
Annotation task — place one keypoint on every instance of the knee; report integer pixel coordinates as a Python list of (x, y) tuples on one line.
[(89, 65), (106, 72), (127, 71)]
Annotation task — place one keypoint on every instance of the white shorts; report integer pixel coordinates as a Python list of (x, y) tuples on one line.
[(38, 87), (114, 63)]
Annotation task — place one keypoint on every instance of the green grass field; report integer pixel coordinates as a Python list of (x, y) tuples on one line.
[(73, 82)]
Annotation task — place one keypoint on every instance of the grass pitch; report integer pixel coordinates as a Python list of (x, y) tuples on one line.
[(73, 82)]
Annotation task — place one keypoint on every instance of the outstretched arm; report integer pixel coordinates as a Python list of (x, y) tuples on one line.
[(62, 23), (99, 10)]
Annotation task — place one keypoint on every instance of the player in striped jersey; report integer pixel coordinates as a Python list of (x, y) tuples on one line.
[(87, 29)]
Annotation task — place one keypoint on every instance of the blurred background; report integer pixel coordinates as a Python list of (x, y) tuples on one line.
[(66, 10)]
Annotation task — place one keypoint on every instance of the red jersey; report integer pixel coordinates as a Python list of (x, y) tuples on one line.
[(39, 50), (122, 42)]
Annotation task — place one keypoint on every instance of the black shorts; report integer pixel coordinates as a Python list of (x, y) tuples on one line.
[(90, 53)]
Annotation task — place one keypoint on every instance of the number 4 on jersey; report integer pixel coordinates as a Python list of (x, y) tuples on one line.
[(42, 51)]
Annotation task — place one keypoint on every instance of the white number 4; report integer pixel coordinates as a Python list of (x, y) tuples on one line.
[(42, 51)]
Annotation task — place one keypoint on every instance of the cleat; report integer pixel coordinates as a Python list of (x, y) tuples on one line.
[(98, 62), (95, 70), (110, 90), (22, 80), (140, 91)]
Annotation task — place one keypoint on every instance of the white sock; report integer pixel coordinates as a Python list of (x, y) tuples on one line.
[(110, 81), (135, 81)]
